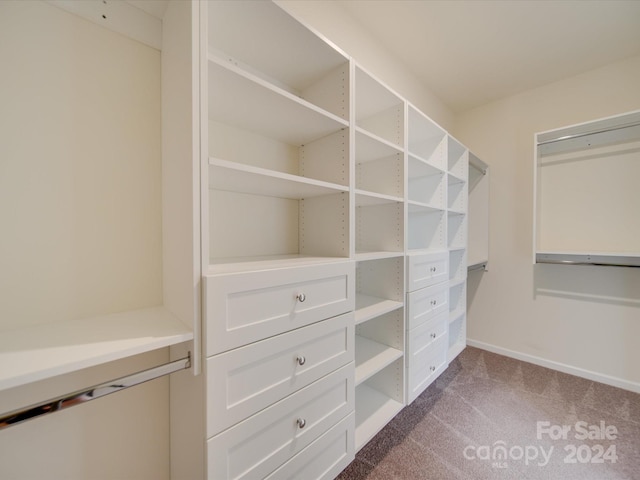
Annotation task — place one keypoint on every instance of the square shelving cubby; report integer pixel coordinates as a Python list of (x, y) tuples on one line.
[(456, 194), (457, 159), (427, 228), (457, 300), (457, 265), (426, 140), (288, 57), (379, 287), (379, 166), (457, 336), (379, 111), (379, 226)]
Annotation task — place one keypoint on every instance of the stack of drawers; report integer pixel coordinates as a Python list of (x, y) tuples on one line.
[(280, 371), (427, 319)]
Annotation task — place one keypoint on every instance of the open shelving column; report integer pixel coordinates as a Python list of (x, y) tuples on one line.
[(379, 254)]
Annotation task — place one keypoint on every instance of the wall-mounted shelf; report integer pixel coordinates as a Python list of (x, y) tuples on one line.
[(610, 259), (39, 352)]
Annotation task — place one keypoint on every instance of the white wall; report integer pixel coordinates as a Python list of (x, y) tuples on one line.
[(581, 319), (80, 206), (338, 26)]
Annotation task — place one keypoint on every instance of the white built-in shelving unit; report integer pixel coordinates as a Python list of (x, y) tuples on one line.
[(317, 219)]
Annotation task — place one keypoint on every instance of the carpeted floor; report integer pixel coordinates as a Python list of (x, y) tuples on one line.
[(493, 417)]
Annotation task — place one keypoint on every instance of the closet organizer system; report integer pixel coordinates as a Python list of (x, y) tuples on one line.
[(327, 218)]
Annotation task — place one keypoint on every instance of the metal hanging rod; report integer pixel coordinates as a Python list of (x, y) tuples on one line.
[(589, 133), (97, 391)]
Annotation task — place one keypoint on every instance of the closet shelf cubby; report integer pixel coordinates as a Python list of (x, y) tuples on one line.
[(39, 352), (265, 109), (373, 409), (372, 356), (368, 307)]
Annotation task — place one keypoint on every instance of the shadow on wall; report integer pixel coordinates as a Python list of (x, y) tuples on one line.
[(600, 284)]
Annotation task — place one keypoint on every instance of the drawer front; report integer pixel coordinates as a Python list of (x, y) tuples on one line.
[(426, 303), (257, 446), (425, 366), (247, 379), (425, 269), (245, 307), (423, 336), (325, 458)]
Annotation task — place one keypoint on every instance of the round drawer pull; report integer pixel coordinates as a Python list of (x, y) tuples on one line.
[(433, 335), (301, 422), (301, 297), (301, 360), (432, 368)]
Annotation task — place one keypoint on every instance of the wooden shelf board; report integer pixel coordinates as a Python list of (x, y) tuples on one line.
[(367, 199), (371, 147), (237, 177), (419, 167), (377, 255), (225, 266), (419, 207), (373, 412), (39, 352), (368, 307), (265, 109), (371, 357), (456, 314)]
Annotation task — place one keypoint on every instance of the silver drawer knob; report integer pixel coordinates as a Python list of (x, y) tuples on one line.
[(432, 368), (433, 335), (301, 297), (301, 360), (301, 422)]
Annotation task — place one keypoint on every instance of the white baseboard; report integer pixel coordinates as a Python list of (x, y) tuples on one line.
[(561, 367)]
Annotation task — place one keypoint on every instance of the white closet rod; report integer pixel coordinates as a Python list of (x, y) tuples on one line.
[(97, 391), (586, 134)]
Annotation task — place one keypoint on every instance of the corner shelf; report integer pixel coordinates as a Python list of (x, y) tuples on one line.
[(39, 352)]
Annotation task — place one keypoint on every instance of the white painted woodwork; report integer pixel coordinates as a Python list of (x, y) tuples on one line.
[(257, 446), (478, 207), (426, 303), (245, 307), (426, 364), (325, 458), (425, 269), (40, 352), (245, 380), (372, 356), (373, 410)]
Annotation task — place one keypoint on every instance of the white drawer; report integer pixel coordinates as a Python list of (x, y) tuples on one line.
[(245, 380), (425, 365), (244, 307), (425, 269), (429, 332), (257, 446), (426, 303), (325, 458)]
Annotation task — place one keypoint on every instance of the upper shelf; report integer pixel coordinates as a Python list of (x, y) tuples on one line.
[(242, 178), (583, 258), (264, 36), (39, 352), (246, 101)]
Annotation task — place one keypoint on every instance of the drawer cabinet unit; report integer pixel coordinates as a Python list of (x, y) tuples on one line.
[(244, 307), (426, 303), (257, 446), (245, 380), (426, 364), (425, 269)]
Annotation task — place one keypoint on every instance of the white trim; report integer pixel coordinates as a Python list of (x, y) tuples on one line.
[(560, 367)]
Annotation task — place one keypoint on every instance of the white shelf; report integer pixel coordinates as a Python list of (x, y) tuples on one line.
[(629, 259), (419, 207), (237, 177), (419, 167), (367, 199), (266, 109), (376, 255), (224, 266), (457, 313), (41, 352), (368, 307), (455, 178), (371, 147), (373, 412), (454, 282), (371, 357), (455, 350)]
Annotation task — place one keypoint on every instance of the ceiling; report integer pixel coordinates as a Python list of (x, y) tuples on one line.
[(471, 52)]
